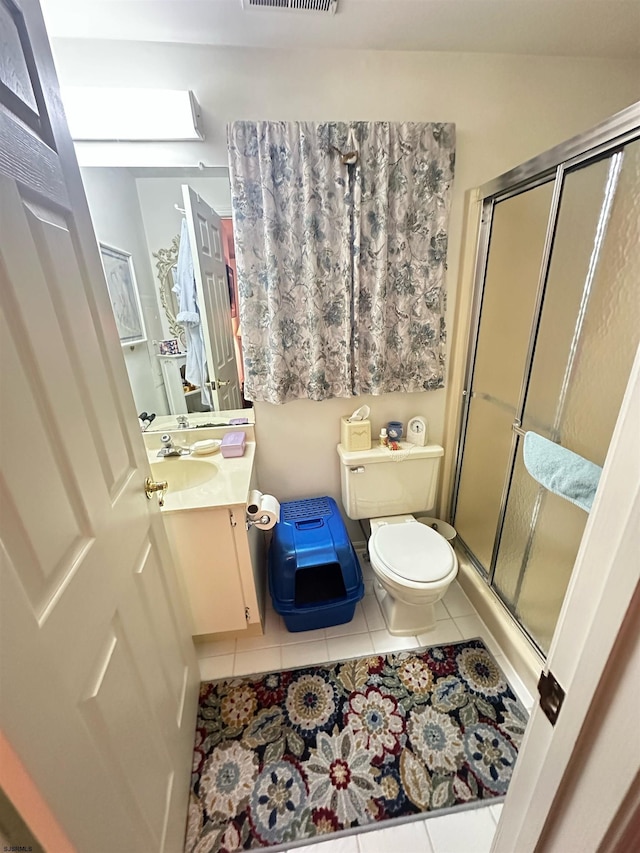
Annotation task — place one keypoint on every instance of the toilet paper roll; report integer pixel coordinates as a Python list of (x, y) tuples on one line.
[(269, 513), (253, 502)]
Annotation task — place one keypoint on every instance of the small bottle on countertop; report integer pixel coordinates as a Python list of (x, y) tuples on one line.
[(384, 441)]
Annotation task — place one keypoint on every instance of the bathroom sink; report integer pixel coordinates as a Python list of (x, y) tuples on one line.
[(182, 474)]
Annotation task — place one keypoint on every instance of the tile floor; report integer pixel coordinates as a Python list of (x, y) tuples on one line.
[(464, 832)]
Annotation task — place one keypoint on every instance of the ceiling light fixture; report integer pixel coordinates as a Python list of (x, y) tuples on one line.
[(140, 115)]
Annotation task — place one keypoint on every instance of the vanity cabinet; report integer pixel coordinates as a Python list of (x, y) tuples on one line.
[(221, 564), (216, 564)]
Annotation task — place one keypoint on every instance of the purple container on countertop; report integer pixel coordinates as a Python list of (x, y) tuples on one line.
[(233, 444)]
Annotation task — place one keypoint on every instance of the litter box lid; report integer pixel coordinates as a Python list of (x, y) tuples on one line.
[(413, 551)]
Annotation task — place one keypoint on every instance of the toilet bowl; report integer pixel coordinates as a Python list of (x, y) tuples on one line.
[(413, 566)]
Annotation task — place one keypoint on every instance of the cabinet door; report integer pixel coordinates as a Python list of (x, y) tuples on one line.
[(206, 555)]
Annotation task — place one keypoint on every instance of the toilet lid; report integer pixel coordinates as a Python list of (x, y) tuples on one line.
[(414, 551)]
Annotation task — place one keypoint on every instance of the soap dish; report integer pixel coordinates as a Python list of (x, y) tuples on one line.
[(206, 447)]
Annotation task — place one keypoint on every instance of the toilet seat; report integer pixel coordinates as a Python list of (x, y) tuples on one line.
[(412, 552)]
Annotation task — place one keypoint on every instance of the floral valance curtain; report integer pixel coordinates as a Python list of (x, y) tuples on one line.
[(341, 267)]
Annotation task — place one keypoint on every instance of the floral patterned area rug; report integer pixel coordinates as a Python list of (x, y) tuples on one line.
[(299, 754)]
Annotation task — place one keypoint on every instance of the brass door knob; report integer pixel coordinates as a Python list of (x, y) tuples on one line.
[(151, 486)]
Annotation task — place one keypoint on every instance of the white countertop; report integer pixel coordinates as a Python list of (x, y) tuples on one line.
[(228, 486)]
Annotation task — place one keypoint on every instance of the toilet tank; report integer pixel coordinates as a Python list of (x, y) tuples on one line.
[(380, 481)]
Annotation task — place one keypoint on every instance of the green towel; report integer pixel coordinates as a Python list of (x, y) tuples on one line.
[(561, 471)]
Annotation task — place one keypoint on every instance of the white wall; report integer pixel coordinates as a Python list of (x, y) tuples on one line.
[(113, 203), (506, 108)]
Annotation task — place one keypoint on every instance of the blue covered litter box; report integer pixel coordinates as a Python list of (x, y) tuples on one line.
[(315, 579)]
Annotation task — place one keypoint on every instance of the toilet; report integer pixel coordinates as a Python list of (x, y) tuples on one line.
[(413, 564)]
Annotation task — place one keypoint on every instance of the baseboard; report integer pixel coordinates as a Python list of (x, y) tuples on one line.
[(253, 629)]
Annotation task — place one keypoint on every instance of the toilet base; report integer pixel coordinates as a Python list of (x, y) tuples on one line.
[(404, 620)]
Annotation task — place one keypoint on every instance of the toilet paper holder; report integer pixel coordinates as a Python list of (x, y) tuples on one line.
[(252, 520), (262, 511)]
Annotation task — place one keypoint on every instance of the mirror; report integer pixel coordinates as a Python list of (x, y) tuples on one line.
[(140, 211), (166, 262)]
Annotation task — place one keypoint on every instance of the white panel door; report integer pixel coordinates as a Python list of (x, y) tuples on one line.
[(98, 673), (205, 236)]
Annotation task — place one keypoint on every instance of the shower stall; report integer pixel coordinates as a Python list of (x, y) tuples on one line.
[(554, 331)]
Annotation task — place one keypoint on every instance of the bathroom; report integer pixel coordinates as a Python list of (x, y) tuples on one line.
[(507, 106)]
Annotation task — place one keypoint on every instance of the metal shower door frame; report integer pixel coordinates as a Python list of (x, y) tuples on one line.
[(600, 142)]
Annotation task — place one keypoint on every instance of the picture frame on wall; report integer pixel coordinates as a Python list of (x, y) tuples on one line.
[(124, 295)]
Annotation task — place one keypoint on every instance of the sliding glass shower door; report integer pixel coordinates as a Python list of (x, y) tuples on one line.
[(517, 242), (559, 324)]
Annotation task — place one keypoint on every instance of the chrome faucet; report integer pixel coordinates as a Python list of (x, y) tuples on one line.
[(183, 422), (169, 449)]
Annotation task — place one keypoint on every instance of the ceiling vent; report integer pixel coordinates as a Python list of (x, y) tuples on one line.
[(329, 6)]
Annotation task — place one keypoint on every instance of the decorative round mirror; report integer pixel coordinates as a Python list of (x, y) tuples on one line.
[(166, 263)]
